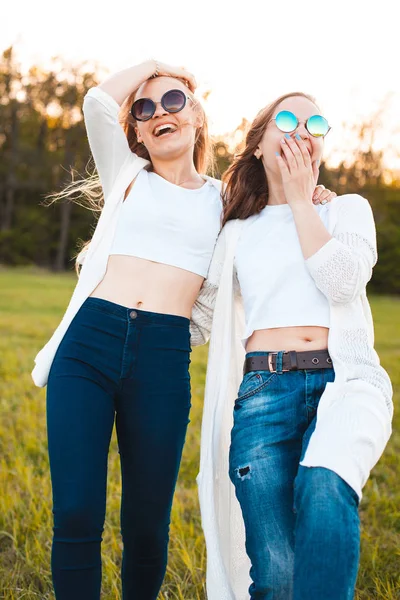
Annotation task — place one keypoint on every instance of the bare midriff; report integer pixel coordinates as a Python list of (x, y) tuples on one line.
[(147, 285), (299, 339)]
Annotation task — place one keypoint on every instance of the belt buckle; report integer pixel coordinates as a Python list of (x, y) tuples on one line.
[(269, 362)]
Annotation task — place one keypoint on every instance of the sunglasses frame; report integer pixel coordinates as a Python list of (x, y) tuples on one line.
[(185, 98), (299, 122)]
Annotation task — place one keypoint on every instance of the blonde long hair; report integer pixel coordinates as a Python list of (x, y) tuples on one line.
[(87, 191)]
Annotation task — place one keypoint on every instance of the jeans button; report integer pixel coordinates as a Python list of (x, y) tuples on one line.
[(133, 314)]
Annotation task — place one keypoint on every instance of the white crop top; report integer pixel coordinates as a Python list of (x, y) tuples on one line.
[(276, 287), (169, 224)]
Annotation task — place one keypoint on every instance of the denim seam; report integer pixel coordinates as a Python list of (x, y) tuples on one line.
[(124, 352), (356, 528), (306, 392), (257, 389), (310, 409)]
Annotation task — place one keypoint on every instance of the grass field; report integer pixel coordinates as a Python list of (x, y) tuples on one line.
[(31, 304)]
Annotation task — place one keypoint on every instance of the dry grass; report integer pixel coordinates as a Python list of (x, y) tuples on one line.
[(30, 307)]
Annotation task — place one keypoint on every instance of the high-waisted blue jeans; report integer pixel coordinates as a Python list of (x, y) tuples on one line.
[(132, 365), (302, 524)]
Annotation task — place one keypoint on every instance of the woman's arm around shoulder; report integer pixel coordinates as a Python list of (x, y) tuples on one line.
[(342, 268)]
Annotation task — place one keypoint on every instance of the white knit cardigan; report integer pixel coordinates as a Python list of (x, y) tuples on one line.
[(355, 411), (117, 166)]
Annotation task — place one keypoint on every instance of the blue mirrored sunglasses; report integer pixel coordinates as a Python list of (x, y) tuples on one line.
[(317, 126)]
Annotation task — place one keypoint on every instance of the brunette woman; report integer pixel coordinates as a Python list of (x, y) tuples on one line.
[(293, 381)]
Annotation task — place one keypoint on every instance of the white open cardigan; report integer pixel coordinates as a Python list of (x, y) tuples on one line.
[(117, 166), (355, 411)]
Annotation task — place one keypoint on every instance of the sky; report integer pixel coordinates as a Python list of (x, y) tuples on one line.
[(247, 53)]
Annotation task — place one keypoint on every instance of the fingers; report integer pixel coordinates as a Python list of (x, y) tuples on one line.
[(302, 154), (283, 167), (192, 84), (329, 197), (322, 195), (305, 153), (317, 194), (298, 149), (190, 79), (291, 152), (179, 73)]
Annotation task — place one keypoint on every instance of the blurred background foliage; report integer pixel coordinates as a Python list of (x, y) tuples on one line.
[(43, 137)]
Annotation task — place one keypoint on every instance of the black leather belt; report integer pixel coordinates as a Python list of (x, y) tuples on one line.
[(291, 361)]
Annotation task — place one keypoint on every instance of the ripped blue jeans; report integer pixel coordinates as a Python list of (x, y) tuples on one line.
[(302, 524)]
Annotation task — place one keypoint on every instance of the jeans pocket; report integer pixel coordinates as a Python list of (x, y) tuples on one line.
[(252, 383)]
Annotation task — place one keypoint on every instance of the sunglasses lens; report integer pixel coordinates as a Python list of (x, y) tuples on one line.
[(143, 109), (173, 101), (318, 126), (286, 121)]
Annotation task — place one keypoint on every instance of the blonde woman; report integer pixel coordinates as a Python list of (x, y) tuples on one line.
[(297, 407), (123, 346)]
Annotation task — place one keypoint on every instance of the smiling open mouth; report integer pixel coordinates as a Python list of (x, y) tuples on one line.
[(165, 129)]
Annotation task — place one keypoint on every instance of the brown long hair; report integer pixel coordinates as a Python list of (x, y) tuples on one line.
[(246, 191), (88, 192)]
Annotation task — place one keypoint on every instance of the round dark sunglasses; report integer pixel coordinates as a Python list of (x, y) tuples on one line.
[(317, 126), (172, 101)]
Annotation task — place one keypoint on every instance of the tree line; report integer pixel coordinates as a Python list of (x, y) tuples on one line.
[(42, 136)]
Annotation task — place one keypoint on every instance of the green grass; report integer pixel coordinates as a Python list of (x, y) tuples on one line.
[(31, 304)]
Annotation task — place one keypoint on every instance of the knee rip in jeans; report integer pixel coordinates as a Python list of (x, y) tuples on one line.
[(243, 472)]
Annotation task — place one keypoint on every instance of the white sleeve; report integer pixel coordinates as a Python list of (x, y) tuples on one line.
[(342, 268), (203, 309), (107, 140)]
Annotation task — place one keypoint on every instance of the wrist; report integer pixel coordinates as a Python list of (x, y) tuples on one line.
[(301, 205)]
